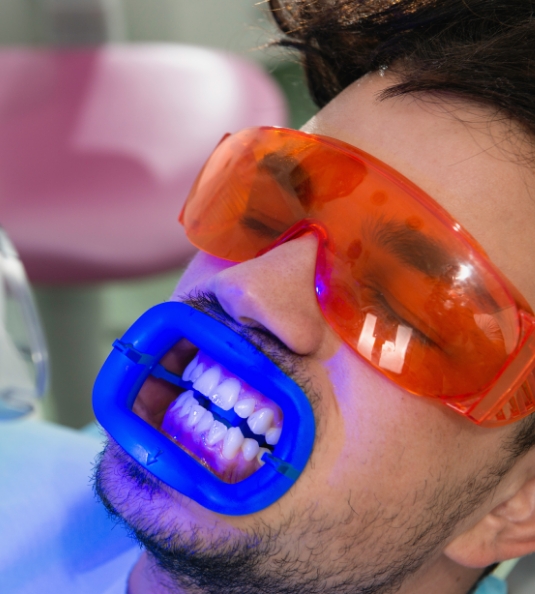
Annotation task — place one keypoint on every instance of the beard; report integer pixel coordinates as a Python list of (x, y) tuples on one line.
[(364, 548), (363, 551)]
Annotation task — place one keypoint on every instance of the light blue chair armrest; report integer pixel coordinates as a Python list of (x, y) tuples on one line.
[(56, 537)]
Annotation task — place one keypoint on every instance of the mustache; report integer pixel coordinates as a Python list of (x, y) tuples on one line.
[(293, 365)]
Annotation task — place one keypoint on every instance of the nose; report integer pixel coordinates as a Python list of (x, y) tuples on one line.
[(276, 292)]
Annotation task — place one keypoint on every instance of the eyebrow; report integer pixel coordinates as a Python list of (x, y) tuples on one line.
[(411, 247), (422, 253)]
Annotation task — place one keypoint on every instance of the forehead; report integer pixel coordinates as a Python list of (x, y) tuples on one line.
[(461, 154)]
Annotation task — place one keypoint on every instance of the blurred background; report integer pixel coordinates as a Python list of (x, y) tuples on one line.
[(85, 307)]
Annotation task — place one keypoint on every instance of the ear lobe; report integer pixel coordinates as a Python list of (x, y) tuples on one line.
[(506, 532)]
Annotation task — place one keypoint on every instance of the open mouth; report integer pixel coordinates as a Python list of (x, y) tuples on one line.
[(215, 416)]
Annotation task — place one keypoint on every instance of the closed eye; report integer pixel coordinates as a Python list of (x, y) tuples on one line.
[(381, 307), (260, 228)]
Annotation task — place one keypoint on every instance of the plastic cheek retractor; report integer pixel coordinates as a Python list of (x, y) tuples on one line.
[(137, 356)]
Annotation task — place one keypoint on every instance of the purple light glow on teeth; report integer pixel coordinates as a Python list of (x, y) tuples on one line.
[(208, 381), (205, 423), (250, 449), (244, 408), (225, 451), (216, 434), (186, 375), (261, 421)]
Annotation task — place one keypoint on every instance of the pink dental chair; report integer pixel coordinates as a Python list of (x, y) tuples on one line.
[(98, 149)]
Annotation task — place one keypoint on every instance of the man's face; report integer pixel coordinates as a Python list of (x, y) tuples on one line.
[(392, 477)]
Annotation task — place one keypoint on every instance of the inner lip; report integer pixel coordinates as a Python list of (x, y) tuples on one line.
[(221, 421)]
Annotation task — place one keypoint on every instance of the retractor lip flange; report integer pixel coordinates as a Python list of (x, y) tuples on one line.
[(131, 361)]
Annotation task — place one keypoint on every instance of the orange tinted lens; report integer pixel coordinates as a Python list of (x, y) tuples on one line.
[(411, 298), (251, 191), (398, 279)]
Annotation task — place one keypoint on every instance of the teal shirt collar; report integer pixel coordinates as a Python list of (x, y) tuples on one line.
[(491, 585)]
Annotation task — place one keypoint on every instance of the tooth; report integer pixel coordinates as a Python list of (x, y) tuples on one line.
[(260, 421), (273, 435), (217, 432), (243, 408), (226, 394), (180, 400), (191, 366), (233, 442), (261, 452), (196, 373), (205, 423), (208, 380), (189, 402), (250, 448), (195, 415)]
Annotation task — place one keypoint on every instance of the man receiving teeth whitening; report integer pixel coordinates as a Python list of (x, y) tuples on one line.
[(338, 398)]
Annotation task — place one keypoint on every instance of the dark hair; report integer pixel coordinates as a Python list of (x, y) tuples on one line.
[(479, 50)]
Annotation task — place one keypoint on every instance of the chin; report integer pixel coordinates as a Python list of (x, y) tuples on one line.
[(144, 503)]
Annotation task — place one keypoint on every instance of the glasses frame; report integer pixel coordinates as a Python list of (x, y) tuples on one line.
[(510, 395)]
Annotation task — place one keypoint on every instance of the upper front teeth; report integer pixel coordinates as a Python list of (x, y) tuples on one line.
[(208, 380), (260, 421), (191, 366), (196, 373), (226, 394), (245, 407), (273, 435)]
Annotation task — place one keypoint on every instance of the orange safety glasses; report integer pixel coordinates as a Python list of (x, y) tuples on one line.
[(396, 277)]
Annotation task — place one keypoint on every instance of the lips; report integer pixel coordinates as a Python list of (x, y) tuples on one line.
[(221, 421)]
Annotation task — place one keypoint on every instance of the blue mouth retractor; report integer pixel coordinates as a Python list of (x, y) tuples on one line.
[(136, 356)]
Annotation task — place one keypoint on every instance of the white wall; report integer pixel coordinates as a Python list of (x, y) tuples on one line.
[(235, 25), (16, 23)]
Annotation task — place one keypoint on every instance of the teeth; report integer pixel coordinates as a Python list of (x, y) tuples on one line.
[(208, 380), (191, 366), (205, 423), (226, 394), (217, 432), (180, 400), (243, 408), (250, 448), (261, 452), (196, 373), (273, 435), (260, 421), (195, 415), (233, 442), (188, 402)]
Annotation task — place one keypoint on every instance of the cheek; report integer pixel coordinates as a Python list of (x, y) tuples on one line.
[(384, 440), (200, 270)]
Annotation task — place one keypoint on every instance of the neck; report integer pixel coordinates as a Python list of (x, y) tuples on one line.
[(442, 577), (145, 578)]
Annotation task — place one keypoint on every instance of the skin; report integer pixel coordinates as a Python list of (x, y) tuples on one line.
[(384, 461)]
